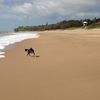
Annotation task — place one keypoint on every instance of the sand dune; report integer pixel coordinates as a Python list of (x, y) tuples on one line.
[(68, 67)]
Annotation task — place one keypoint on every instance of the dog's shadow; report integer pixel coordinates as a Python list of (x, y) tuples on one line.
[(35, 56)]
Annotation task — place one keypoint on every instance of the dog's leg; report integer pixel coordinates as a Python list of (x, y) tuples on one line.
[(34, 53), (27, 54)]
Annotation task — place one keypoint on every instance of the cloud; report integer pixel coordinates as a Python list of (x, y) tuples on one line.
[(1, 2), (52, 9), (25, 8)]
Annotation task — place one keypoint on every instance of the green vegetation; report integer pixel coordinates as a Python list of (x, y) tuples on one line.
[(65, 24), (93, 25)]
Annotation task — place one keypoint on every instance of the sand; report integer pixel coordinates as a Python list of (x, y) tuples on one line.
[(68, 67)]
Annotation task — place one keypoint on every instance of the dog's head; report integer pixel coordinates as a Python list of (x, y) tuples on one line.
[(26, 49)]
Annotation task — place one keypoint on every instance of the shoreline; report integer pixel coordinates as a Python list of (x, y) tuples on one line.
[(7, 41), (68, 67)]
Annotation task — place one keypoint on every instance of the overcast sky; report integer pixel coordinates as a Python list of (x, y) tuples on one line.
[(33, 12)]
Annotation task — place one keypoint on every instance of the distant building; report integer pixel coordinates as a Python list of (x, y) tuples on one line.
[(98, 23), (85, 23)]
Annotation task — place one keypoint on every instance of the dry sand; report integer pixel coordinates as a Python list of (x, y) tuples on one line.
[(68, 67)]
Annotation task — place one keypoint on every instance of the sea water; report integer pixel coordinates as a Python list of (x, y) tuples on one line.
[(7, 39)]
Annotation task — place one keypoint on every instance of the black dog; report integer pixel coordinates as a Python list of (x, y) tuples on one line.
[(30, 51)]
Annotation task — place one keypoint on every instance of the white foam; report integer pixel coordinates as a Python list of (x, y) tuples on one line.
[(2, 53), (2, 56), (15, 37)]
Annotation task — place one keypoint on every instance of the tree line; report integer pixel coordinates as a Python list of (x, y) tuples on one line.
[(59, 25)]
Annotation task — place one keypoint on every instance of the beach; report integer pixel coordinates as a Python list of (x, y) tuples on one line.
[(67, 67)]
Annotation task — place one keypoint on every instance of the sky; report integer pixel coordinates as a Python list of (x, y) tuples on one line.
[(14, 13)]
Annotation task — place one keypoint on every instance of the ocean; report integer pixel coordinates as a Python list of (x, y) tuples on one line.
[(9, 38)]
